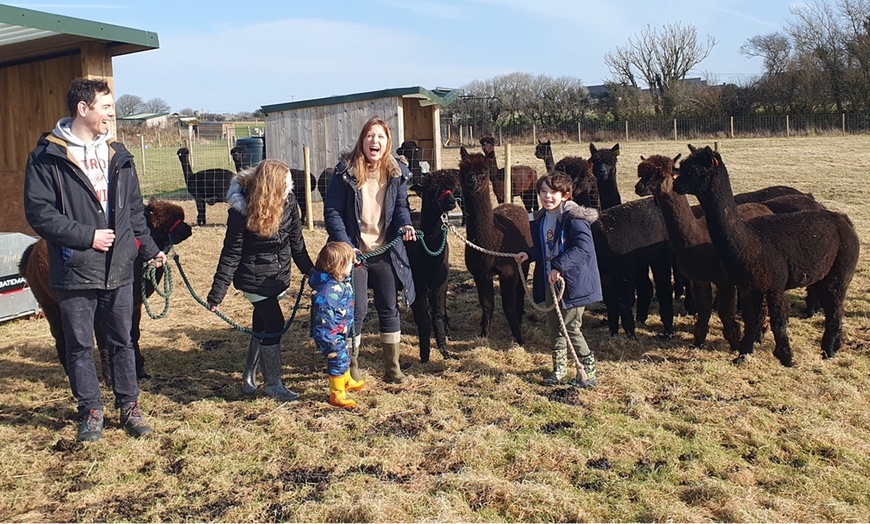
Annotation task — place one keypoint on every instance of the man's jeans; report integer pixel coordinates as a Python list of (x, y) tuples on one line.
[(113, 309)]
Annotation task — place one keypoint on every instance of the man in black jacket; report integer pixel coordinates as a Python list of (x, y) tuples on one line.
[(81, 194)]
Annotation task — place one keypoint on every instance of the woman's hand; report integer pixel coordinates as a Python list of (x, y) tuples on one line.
[(410, 233), (521, 257)]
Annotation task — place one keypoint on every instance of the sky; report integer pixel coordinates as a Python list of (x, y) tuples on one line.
[(231, 56)]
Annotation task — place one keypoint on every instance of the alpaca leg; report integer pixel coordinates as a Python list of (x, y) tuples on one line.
[(420, 308), (200, 212), (777, 306), (644, 287), (703, 293), (438, 310), (753, 314), (813, 300), (625, 303), (52, 315), (486, 298), (726, 306), (509, 285), (832, 337), (661, 269), (608, 291)]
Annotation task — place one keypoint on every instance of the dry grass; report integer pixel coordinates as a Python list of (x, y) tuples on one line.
[(673, 433)]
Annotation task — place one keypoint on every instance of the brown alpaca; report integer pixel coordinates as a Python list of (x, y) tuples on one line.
[(692, 248), (584, 192), (165, 220), (523, 180), (767, 255), (504, 229)]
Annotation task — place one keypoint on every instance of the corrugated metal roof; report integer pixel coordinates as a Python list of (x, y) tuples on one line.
[(142, 116), (27, 35), (440, 96)]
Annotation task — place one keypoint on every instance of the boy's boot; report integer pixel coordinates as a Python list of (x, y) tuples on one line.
[(588, 363), (353, 385), (249, 376), (392, 371), (337, 392), (560, 367), (270, 365), (354, 358)]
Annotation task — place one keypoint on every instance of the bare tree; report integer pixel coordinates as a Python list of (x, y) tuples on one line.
[(126, 105), (775, 49), (156, 105), (661, 59)]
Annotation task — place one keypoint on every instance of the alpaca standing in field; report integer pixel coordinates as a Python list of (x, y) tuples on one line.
[(166, 221), (767, 255), (602, 163), (431, 272), (523, 178), (584, 192), (208, 186), (503, 229)]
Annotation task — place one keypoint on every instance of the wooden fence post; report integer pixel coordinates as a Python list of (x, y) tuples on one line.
[(675, 130), (732, 126), (309, 216), (626, 130), (507, 174), (534, 133), (579, 133), (787, 127), (844, 124), (142, 147)]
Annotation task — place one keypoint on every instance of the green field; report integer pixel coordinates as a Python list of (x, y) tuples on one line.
[(673, 432)]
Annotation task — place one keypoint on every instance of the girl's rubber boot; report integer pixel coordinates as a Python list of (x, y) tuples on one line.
[(338, 394), (249, 376), (270, 365)]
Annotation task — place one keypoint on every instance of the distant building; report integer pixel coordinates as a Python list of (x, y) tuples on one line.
[(143, 120)]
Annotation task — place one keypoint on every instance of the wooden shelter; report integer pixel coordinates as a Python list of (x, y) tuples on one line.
[(330, 126), (40, 55)]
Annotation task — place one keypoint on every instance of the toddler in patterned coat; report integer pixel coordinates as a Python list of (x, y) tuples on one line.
[(332, 317)]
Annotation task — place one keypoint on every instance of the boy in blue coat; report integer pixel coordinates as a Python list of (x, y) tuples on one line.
[(563, 249)]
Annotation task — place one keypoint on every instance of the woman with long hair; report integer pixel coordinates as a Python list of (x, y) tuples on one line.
[(264, 232), (366, 206)]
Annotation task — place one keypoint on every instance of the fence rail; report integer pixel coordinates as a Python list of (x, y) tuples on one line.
[(161, 175)]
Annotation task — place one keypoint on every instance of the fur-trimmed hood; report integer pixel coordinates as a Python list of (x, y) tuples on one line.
[(237, 198), (572, 209)]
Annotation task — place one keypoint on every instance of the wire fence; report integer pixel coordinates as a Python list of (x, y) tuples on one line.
[(161, 173)]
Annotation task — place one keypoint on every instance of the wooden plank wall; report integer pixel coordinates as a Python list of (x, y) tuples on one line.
[(328, 131), (35, 99)]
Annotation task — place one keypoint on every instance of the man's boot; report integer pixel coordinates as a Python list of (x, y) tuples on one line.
[(392, 371), (270, 365), (249, 375)]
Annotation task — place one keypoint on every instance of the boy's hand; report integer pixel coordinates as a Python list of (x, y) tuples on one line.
[(554, 276), (522, 257)]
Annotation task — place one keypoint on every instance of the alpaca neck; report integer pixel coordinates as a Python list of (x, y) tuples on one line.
[(480, 227), (549, 161), (737, 245), (185, 166), (684, 229), (608, 194)]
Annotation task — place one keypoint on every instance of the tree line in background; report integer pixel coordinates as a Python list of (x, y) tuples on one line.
[(819, 63)]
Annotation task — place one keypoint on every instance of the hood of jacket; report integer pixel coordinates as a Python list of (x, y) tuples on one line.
[(237, 198), (572, 210)]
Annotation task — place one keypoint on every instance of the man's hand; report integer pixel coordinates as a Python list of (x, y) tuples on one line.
[(103, 239), (522, 257)]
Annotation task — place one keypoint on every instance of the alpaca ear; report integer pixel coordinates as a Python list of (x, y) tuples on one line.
[(693, 149), (592, 148), (615, 149), (716, 162), (677, 157), (463, 153), (642, 158)]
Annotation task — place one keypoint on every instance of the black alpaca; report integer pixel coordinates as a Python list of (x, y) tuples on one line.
[(206, 187), (504, 229), (767, 255), (602, 163), (431, 272), (630, 239)]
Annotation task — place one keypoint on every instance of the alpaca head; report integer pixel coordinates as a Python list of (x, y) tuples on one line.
[(655, 175), (698, 170), (166, 220), (474, 172), (602, 163), (487, 144), (437, 190), (543, 150)]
